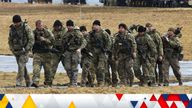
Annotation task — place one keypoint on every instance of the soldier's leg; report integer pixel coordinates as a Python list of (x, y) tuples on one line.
[(137, 70), (56, 59), (21, 69), (74, 68), (84, 74), (114, 72), (47, 64), (160, 73), (165, 71), (91, 73), (37, 64), (122, 72), (129, 69), (148, 72), (108, 74), (176, 69), (67, 64), (101, 69)]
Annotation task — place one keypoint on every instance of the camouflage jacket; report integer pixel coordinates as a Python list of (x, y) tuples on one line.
[(99, 42), (58, 38), (146, 47), (72, 40), (124, 44), (43, 45), (20, 38), (172, 46), (158, 42)]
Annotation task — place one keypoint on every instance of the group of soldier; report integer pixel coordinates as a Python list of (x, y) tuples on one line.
[(109, 60)]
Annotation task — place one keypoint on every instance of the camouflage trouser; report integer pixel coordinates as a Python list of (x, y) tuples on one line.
[(111, 65), (147, 74), (125, 70), (174, 63), (42, 60), (158, 72), (22, 69), (153, 65), (57, 58), (100, 64), (71, 61), (88, 72)]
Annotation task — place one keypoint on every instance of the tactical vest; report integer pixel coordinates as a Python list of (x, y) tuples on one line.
[(58, 38), (19, 37), (97, 40), (123, 44), (40, 46), (142, 46), (72, 41)]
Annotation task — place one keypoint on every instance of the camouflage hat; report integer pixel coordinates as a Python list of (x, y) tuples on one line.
[(148, 25), (57, 23), (123, 25), (16, 18), (171, 29), (69, 23), (108, 31), (83, 28), (76, 28), (97, 22), (141, 29)]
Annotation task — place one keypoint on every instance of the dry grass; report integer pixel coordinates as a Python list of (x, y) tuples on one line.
[(8, 83), (162, 18)]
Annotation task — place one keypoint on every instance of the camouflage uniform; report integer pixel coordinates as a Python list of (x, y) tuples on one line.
[(159, 46), (20, 41), (172, 49), (111, 65), (146, 51), (72, 41), (124, 47), (58, 56), (99, 42), (86, 65), (42, 56)]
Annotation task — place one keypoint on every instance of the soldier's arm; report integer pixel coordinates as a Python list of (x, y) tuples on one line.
[(151, 46), (51, 39), (31, 39), (10, 41), (160, 44), (174, 42), (134, 44), (107, 40)]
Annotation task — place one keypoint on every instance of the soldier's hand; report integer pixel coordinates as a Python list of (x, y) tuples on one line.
[(42, 38), (160, 58), (79, 51), (134, 55), (167, 39)]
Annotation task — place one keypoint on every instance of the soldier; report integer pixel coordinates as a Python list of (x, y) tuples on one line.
[(20, 41), (42, 56), (172, 49), (155, 35), (124, 53), (146, 51), (99, 42), (58, 32), (111, 64), (72, 44), (86, 59)]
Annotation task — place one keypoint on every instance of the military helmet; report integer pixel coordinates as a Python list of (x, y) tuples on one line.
[(83, 28), (171, 29)]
